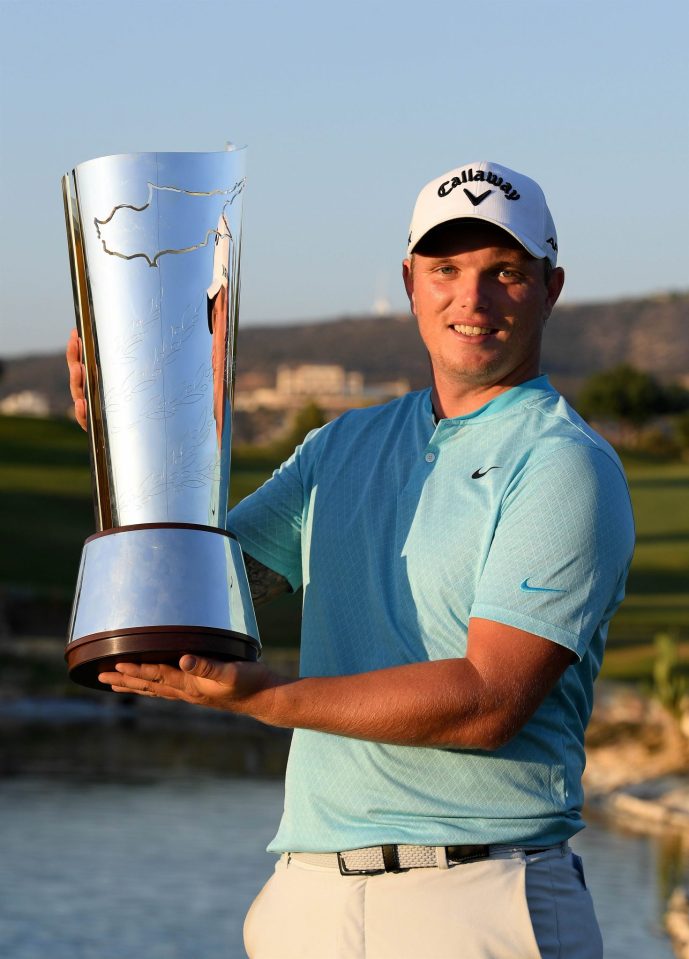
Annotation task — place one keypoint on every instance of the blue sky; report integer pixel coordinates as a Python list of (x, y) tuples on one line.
[(347, 110)]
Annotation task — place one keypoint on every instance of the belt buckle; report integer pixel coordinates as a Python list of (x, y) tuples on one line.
[(461, 855), (345, 871)]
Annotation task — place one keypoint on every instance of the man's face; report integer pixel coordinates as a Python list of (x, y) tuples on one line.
[(481, 302)]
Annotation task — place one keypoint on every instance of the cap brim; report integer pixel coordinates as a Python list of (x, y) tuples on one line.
[(533, 248)]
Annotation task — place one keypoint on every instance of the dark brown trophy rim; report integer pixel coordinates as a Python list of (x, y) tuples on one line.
[(97, 653), (127, 529)]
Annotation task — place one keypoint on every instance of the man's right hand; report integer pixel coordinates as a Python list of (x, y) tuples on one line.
[(77, 377)]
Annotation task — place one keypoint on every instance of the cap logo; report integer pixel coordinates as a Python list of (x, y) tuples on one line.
[(487, 176), (552, 242), (477, 199)]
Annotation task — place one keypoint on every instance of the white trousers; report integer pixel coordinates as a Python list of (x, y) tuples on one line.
[(511, 906)]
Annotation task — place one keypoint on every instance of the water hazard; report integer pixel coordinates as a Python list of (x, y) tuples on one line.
[(167, 870), (106, 855)]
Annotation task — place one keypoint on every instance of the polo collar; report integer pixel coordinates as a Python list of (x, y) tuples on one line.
[(500, 403)]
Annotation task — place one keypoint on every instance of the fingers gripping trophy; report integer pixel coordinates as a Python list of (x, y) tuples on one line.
[(154, 241)]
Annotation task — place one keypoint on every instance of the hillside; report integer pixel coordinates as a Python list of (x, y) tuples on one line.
[(649, 333)]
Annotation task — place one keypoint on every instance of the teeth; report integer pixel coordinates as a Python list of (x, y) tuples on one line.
[(471, 330)]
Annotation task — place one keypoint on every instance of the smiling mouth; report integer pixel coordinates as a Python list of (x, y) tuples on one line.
[(466, 330)]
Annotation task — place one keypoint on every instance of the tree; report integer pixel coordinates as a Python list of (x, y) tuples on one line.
[(309, 417), (676, 398), (623, 393), (682, 431)]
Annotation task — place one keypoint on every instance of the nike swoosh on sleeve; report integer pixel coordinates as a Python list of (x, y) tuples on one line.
[(538, 589)]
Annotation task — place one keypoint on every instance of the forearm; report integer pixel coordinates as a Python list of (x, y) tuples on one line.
[(442, 704), (480, 701), (476, 702)]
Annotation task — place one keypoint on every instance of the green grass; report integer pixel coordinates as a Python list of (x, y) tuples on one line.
[(46, 509), (46, 513), (658, 585)]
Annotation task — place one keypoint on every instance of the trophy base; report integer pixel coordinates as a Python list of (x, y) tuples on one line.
[(150, 593), (91, 655)]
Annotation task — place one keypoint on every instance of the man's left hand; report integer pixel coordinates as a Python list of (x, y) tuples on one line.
[(239, 687)]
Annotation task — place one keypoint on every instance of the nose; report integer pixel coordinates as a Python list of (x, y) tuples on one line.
[(472, 293)]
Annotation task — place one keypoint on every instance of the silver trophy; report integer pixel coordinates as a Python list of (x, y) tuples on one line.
[(154, 242)]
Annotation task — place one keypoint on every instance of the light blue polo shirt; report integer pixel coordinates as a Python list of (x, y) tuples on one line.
[(400, 530)]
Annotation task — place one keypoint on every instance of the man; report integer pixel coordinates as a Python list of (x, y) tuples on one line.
[(462, 551)]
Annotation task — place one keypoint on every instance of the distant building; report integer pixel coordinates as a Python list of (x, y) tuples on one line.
[(246, 382), (25, 403), (332, 387), (317, 379)]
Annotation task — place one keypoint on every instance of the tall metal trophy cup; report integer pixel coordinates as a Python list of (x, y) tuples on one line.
[(154, 241)]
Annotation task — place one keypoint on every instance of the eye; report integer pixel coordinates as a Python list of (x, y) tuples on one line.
[(447, 269)]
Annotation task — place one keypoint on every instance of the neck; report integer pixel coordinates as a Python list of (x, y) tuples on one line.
[(459, 399)]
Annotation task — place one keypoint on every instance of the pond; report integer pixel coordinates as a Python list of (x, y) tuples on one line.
[(135, 830), (122, 863)]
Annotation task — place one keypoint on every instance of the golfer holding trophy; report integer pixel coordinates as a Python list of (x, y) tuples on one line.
[(154, 243), (461, 550)]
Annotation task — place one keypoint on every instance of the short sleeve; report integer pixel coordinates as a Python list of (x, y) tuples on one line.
[(561, 549), (268, 522)]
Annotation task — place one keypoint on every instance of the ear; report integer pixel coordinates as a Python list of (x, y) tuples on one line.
[(408, 278), (554, 288)]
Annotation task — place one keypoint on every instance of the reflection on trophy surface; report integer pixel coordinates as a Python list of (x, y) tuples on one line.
[(154, 244)]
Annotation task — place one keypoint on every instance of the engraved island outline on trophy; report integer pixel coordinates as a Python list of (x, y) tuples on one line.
[(152, 259), (186, 466)]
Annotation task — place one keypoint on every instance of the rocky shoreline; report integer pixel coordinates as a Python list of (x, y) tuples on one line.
[(637, 773)]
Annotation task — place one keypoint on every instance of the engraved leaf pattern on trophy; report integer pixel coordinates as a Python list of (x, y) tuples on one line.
[(140, 378)]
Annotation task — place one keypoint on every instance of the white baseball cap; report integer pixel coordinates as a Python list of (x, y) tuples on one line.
[(490, 192)]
